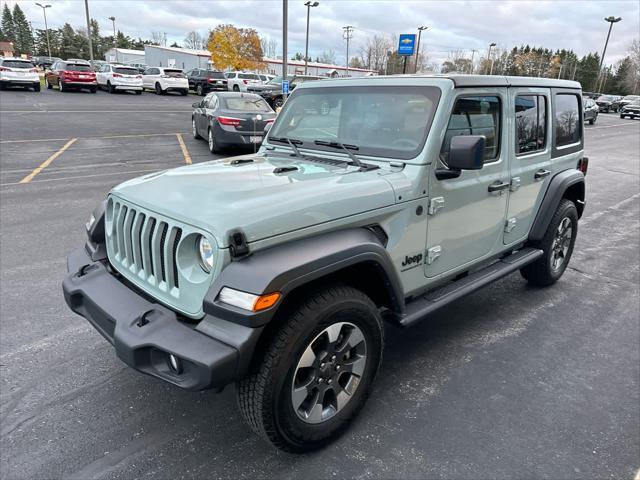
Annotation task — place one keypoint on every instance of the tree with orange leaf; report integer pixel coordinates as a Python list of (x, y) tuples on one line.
[(235, 48)]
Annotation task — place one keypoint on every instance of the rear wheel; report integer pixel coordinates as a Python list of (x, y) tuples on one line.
[(93, 89), (110, 88), (592, 121), (317, 372), (277, 103), (159, 90), (138, 92), (621, 116), (49, 86), (200, 90), (36, 87), (184, 92), (557, 245), (236, 88)]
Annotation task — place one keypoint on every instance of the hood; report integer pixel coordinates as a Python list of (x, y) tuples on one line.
[(264, 88), (225, 195)]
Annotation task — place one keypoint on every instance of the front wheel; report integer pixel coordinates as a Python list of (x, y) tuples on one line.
[(36, 87), (592, 121), (49, 86), (200, 90), (62, 87), (194, 130), (557, 245), (211, 140), (277, 103), (621, 116), (138, 92), (317, 372), (184, 92)]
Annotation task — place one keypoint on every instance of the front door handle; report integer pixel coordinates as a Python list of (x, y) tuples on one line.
[(498, 186), (540, 174)]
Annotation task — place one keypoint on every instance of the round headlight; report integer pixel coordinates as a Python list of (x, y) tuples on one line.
[(206, 254)]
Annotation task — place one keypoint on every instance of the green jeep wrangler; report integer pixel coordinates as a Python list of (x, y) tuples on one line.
[(371, 201)]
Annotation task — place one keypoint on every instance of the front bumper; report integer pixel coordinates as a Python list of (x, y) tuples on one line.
[(212, 353)]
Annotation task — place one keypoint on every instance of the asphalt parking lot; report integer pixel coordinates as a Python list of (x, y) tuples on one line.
[(510, 382)]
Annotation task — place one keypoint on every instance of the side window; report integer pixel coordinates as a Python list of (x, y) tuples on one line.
[(567, 119), (531, 111), (475, 116)]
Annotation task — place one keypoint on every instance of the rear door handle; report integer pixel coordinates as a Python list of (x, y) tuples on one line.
[(540, 174), (498, 186)]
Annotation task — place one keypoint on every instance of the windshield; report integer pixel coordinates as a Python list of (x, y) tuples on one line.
[(631, 97), (125, 71), (275, 81), (17, 64), (606, 98), (248, 104), (78, 67), (380, 121)]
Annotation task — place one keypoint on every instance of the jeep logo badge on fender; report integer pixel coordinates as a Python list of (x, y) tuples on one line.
[(410, 262)]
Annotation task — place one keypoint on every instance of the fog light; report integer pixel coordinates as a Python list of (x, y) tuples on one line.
[(175, 364)]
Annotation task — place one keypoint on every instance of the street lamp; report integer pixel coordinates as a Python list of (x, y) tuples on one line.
[(115, 39), (420, 29), (46, 28), (611, 20), (308, 4), (491, 45)]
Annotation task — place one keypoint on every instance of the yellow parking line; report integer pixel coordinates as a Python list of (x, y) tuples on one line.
[(87, 138), (46, 163), (183, 147)]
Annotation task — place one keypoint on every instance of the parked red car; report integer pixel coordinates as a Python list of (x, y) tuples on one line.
[(71, 74)]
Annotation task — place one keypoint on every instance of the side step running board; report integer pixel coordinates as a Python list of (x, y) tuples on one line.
[(419, 308)]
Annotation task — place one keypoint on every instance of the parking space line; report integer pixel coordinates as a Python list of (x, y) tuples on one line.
[(84, 176), (183, 147), (87, 138), (48, 161)]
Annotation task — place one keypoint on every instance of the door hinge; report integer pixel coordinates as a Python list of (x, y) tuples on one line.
[(433, 253), (510, 225), (436, 204), (515, 184)]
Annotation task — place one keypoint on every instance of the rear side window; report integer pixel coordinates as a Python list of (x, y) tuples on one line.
[(230, 75), (531, 111), (17, 64), (248, 76), (567, 119), (475, 116)]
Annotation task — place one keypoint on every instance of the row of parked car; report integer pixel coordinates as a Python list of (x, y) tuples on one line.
[(628, 106), (610, 103)]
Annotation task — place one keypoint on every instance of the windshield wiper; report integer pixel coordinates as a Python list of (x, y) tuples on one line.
[(292, 143), (344, 146)]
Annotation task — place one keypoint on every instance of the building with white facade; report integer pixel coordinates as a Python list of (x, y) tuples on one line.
[(124, 56)]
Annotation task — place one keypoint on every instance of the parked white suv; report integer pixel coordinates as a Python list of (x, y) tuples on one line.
[(119, 77), (239, 81), (18, 72), (163, 80)]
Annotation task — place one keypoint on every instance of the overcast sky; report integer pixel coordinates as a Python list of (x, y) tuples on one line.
[(570, 24)]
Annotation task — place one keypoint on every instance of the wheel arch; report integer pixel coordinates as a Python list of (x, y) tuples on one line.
[(568, 184)]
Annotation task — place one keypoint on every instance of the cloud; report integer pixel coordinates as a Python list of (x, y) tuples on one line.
[(453, 25)]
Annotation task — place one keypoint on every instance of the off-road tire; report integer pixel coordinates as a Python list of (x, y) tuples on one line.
[(540, 272), (264, 396)]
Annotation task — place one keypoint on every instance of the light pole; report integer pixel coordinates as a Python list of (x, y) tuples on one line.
[(348, 33), (86, 9), (491, 45), (285, 26), (473, 54), (308, 4), (46, 28), (115, 38), (420, 29), (611, 20)]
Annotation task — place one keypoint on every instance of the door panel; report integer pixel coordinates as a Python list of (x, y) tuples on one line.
[(466, 220), (530, 170)]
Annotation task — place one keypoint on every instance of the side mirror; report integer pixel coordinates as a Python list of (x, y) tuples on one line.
[(466, 152), (196, 105), (267, 127)]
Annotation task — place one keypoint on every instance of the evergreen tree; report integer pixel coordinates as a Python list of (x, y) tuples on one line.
[(22, 31), (68, 47), (7, 24)]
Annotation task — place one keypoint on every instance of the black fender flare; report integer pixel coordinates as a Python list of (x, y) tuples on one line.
[(556, 190), (286, 267)]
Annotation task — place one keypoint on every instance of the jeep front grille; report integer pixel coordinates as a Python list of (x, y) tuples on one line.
[(145, 246)]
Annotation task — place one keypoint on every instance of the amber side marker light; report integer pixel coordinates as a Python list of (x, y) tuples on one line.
[(248, 301)]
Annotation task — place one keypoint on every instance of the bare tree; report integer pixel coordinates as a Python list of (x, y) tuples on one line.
[(328, 56), (269, 47), (194, 41), (374, 53), (157, 38), (456, 62)]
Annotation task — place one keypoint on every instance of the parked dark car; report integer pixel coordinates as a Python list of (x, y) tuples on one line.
[(44, 62), (590, 109), (626, 100), (68, 75), (605, 103), (204, 81), (272, 91), (631, 110), (231, 119)]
